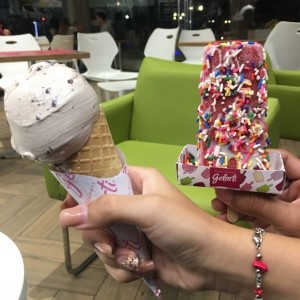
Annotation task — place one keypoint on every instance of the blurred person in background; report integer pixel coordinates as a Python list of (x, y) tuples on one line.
[(65, 27), (245, 18), (4, 30), (104, 24)]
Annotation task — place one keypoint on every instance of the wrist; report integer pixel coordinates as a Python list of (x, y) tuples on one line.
[(230, 269), (228, 262)]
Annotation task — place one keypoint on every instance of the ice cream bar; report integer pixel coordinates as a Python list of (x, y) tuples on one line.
[(205, 174), (247, 186), (275, 176), (280, 185), (264, 188), (186, 180), (231, 116), (243, 176), (258, 176), (199, 183), (189, 168)]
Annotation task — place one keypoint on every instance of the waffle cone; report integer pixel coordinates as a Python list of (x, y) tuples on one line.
[(99, 156)]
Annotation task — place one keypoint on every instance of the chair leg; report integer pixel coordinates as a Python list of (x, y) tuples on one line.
[(107, 95), (68, 258), (120, 93), (103, 95), (75, 65)]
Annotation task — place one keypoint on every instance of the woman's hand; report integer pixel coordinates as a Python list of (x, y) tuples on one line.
[(180, 233), (191, 249), (275, 213)]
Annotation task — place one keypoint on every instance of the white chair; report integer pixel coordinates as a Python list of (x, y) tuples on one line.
[(43, 42), (194, 54), (113, 89), (283, 44), (258, 34), (103, 49), (13, 70), (161, 44), (64, 41)]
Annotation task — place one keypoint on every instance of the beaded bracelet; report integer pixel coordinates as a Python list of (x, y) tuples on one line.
[(259, 266)]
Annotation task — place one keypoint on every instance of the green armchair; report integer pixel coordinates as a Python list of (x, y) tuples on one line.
[(285, 86)]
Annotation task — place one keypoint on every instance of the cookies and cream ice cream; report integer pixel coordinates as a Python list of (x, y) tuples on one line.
[(51, 112)]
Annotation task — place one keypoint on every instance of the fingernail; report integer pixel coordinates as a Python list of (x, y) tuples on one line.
[(75, 216), (129, 263), (232, 215), (146, 266), (97, 252), (103, 248)]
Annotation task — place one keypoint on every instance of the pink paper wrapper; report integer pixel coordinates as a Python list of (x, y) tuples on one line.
[(86, 188), (263, 181)]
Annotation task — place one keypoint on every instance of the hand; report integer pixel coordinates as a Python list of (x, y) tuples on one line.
[(275, 213), (182, 236), (190, 249)]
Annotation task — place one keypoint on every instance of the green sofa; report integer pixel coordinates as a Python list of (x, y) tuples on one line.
[(152, 124), (285, 86)]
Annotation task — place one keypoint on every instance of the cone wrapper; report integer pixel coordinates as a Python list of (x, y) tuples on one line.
[(87, 188), (264, 181)]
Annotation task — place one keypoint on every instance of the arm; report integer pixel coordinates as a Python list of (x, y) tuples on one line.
[(190, 248)]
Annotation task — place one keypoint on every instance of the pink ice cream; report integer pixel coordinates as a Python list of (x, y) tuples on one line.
[(232, 127)]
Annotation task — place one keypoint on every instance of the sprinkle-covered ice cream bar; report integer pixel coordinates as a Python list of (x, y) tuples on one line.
[(232, 139), (231, 116)]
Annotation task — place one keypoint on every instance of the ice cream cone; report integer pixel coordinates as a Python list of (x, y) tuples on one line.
[(99, 156)]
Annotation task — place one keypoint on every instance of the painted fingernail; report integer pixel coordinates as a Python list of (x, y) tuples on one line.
[(75, 216), (146, 266), (103, 248), (129, 263)]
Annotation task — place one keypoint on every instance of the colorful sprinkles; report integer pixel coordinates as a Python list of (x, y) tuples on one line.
[(231, 116)]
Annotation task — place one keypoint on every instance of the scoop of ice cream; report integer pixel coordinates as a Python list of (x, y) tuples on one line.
[(50, 112)]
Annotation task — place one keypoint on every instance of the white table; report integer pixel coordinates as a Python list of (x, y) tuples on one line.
[(12, 275)]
